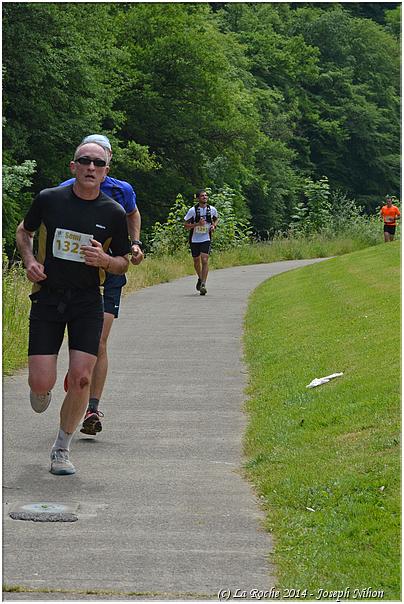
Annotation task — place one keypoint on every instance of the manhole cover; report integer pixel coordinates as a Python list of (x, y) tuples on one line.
[(44, 512)]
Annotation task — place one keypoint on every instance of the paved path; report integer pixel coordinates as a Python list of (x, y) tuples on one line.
[(163, 510)]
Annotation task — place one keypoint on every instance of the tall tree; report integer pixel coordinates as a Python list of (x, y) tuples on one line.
[(184, 96), (60, 81), (281, 64), (355, 133)]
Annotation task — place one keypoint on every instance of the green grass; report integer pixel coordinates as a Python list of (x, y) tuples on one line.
[(16, 305), (333, 449)]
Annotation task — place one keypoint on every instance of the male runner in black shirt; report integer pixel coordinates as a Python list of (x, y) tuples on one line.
[(77, 225)]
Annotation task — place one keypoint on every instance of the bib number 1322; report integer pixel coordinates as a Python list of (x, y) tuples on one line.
[(67, 244)]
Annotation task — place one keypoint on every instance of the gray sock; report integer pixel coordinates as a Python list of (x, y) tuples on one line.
[(62, 441)]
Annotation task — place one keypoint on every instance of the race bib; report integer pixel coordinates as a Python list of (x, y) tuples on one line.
[(66, 244), (202, 229)]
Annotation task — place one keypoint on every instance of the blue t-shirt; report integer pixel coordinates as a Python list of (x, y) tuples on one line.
[(120, 190)]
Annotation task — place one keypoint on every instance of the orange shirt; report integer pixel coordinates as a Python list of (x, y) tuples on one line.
[(390, 214)]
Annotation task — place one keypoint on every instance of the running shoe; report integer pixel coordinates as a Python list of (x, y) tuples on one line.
[(60, 463), (198, 284), (40, 402), (66, 382), (92, 424), (203, 289)]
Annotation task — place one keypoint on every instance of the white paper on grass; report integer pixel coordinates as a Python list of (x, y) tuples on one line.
[(323, 380)]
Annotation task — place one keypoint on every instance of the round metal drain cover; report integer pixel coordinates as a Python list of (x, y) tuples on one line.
[(44, 512)]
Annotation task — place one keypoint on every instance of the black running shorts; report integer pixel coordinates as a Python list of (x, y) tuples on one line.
[(52, 310), (112, 293), (389, 229), (200, 248)]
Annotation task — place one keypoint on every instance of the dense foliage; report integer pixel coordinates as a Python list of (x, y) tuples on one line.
[(255, 98)]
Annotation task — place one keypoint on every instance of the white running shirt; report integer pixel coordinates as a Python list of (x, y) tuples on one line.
[(201, 234)]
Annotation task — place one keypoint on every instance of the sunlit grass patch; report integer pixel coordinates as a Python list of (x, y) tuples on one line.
[(326, 461)]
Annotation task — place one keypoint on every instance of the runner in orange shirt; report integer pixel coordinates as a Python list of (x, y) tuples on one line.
[(390, 213)]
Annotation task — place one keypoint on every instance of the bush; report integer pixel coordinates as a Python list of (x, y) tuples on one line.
[(233, 230), (332, 214), (316, 213), (15, 202), (171, 236)]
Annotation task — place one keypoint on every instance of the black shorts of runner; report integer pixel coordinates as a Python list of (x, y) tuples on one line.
[(389, 229), (200, 248), (112, 293), (52, 310)]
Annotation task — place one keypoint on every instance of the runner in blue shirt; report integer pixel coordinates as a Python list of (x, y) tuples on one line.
[(123, 193)]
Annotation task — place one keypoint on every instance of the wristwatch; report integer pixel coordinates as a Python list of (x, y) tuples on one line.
[(136, 242)]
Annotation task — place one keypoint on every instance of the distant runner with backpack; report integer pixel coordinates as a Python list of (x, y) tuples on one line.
[(201, 220)]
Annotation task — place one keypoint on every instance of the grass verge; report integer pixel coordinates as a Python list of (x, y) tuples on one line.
[(15, 308), (326, 461)]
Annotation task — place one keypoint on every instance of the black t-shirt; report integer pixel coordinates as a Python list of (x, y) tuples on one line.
[(65, 222)]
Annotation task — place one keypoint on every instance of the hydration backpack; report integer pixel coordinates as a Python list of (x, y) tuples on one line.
[(197, 218)]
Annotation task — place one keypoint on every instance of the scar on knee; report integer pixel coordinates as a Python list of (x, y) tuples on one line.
[(84, 382)]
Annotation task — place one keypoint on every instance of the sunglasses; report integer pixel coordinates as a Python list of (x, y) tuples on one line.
[(86, 161)]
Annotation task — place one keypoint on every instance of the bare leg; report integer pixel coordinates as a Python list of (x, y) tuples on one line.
[(42, 372), (101, 367), (81, 366), (198, 266), (205, 267)]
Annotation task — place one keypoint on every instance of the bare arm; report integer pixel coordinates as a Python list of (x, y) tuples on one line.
[(215, 220), (34, 269), (117, 265), (134, 221), (191, 225), (94, 255)]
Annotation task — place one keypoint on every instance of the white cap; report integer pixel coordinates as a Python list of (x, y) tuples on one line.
[(100, 139)]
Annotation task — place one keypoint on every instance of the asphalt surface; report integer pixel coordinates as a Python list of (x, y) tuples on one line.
[(164, 512)]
